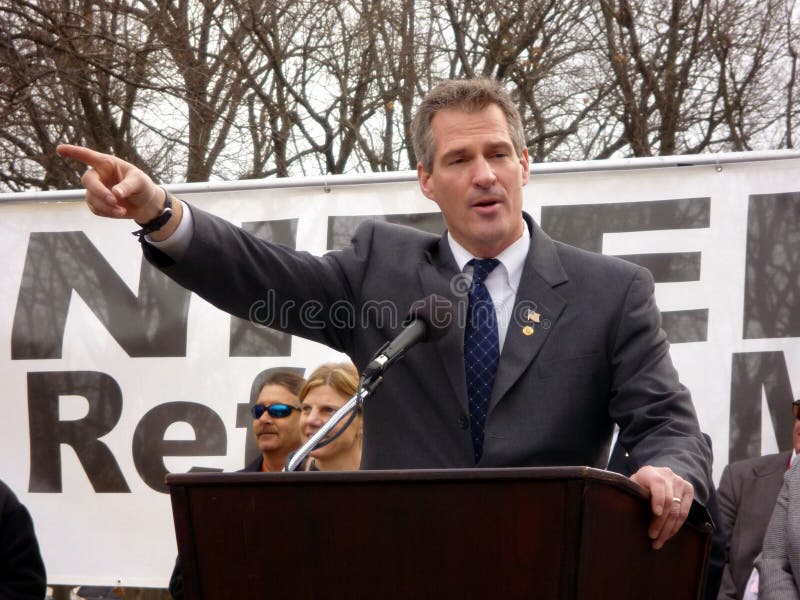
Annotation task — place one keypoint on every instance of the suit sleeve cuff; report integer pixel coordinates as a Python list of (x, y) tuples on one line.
[(176, 244)]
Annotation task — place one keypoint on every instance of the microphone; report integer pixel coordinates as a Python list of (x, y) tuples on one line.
[(427, 320)]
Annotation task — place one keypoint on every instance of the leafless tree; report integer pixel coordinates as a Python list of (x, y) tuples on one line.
[(69, 73), (791, 17), (222, 89), (749, 41), (656, 51)]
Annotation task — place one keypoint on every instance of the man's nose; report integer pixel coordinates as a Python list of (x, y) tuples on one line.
[(483, 174)]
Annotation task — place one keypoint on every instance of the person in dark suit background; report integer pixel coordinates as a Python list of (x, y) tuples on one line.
[(747, 493), (779, 562), (22, 572), (577, 334)]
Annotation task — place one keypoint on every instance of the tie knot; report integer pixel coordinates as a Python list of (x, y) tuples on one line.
[(482, 267)]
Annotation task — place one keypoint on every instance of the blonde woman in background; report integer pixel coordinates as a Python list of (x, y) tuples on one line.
[(326, 390)]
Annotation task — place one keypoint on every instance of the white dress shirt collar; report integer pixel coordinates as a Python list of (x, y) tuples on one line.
[(503, 282), (512, 258)]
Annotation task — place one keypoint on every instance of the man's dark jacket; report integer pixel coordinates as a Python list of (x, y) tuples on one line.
[(22, 573), (597, 355), (747, 493)]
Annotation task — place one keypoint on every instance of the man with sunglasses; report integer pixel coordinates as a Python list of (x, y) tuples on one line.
[(276, 420), (748, 491)]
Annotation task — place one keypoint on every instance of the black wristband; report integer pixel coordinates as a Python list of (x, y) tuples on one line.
[(159, 221)]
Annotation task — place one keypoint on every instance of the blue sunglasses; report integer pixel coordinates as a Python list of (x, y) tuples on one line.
[(276, 411)]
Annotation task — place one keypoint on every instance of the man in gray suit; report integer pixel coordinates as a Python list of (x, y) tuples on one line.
[(747, 493), (779, 561), (576, 337)]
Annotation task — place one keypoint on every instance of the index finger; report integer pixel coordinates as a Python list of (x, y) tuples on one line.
[(85, 155), (97, 179)]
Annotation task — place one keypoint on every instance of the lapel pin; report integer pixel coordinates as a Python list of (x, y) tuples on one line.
[(534, 316), (527, 330)]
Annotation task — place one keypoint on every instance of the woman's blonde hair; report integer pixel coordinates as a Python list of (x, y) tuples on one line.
[(342, 377)]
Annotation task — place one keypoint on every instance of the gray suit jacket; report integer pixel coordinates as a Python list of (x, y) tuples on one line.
[(747, 493), (779, 563), (597, 356)]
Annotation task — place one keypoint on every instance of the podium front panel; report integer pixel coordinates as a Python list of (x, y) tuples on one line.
[(500, 533)]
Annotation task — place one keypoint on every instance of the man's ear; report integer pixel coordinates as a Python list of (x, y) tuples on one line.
[(425, 182), (524, 160)]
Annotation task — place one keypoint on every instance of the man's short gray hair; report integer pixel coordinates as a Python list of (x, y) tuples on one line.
[(469, 95)]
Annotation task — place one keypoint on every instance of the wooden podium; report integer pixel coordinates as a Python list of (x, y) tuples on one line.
[(560, 533)]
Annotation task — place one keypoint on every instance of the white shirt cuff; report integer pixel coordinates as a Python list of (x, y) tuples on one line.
[(176, 244)]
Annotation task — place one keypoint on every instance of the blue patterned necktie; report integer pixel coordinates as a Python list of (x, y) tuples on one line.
[(481, 350)]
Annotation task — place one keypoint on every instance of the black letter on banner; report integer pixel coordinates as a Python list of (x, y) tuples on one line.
[(584, 226), (150, 447), (48, 433), (244, 419), (245, 338), (150, 324), (341, 229), (752, 372), (772, 275)]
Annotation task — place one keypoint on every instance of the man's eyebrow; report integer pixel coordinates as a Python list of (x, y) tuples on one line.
[(464, 150), (501, 145), (454, 152)]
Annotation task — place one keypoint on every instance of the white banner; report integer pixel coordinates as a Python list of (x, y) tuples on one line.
[(110, 375)]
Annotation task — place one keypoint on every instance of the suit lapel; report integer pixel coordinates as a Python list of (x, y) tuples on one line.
[(779, 464), (440, 276), (542, 272)]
